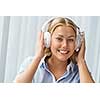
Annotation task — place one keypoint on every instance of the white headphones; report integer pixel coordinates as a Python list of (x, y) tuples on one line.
[(47, 35)]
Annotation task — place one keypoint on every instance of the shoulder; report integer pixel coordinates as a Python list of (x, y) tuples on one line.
[(28, 61), (25, 63)]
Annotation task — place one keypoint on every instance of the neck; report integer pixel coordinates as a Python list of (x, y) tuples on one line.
[(56, 63), (57, 67)]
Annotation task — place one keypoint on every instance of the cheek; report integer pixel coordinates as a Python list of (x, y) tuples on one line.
[(54, 45), (72, 47)]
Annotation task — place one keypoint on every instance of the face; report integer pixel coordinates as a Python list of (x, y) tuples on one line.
[(63, 43)]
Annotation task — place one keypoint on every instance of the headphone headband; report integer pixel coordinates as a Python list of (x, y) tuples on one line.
[(46, 24)]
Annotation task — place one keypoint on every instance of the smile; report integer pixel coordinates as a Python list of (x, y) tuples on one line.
[(63, 51)]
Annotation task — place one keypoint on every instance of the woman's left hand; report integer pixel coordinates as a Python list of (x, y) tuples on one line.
[(81, 53)]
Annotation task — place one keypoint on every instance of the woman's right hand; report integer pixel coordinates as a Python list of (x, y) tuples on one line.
[(41, 46)]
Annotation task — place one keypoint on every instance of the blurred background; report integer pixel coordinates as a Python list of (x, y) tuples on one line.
[(18, 40)]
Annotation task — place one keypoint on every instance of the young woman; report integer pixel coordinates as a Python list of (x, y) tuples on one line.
[(59, 63)]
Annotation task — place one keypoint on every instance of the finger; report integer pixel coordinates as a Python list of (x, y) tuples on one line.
[(82, 50), (41, 39), (40, 34), (83, 41)]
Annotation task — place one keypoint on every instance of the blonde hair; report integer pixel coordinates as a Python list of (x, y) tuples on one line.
[(56, 22)]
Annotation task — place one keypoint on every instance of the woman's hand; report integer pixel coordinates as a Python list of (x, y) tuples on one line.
[(41, 47), (81, 53)]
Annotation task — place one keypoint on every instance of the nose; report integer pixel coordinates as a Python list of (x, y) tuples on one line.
[(65, 44)]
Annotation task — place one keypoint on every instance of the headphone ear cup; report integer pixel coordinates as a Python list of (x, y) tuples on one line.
[(47, 39)]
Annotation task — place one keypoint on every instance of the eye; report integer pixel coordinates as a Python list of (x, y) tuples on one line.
[(71, 40), (59, 39)]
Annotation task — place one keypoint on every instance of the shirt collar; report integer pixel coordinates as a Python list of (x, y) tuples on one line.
[(43, 63), (69, 67)]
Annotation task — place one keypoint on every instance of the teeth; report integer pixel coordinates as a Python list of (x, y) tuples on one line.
[(62, 51)]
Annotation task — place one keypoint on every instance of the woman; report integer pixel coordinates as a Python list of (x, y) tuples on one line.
[(59, 63)]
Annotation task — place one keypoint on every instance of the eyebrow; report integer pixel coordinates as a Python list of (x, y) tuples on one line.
[(68, 36)]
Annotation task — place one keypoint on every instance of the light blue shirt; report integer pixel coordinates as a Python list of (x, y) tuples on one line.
[(44, 75)]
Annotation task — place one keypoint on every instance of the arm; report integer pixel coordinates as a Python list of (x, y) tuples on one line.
[(84, 73), (29, 72)]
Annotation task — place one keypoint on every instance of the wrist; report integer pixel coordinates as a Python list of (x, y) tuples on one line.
[(81, 62), (38, 57)]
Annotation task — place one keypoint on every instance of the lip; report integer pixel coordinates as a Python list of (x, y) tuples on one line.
[(63, 51)]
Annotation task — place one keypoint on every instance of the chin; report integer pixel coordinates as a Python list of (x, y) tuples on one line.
[(63, 59)]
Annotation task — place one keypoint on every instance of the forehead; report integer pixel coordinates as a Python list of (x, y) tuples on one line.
[(64, 30)]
